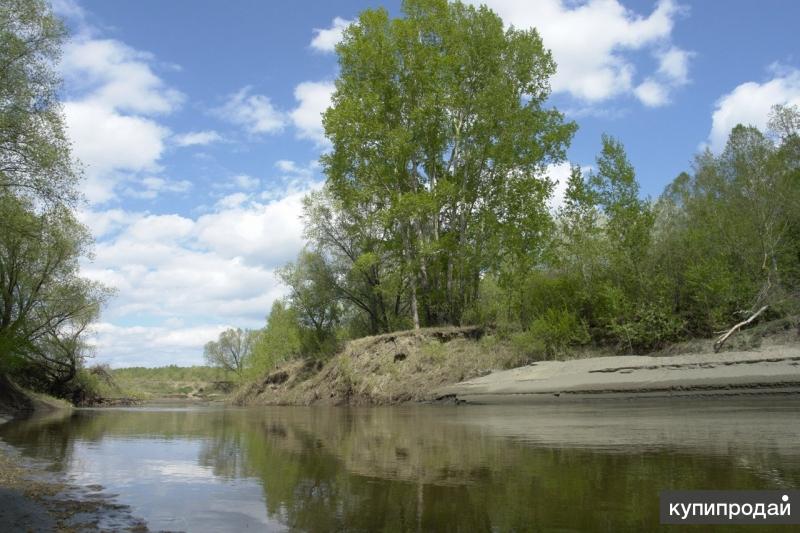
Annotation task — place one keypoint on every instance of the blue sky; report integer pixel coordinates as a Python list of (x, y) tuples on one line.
[(198, 127)]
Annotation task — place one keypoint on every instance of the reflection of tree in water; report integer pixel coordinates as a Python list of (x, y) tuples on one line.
[(419, 469), (386, 469)]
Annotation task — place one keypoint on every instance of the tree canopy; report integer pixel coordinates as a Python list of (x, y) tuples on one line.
[(441, 138)]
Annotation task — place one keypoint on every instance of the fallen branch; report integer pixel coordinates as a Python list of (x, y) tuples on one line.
[(734, 329)]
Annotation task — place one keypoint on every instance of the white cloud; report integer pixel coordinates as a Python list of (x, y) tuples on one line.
[(113, 96), (592, 41), (68, 9), (151, 187), (243, 181), (325, 40), (267, 233), (151, 346), (109, 143), (118, 77), (652, 94), (254, 112), (559, 174), (313, 99), (197, 138), (674, 65), (291, 167), (750, 104), (192, 276)]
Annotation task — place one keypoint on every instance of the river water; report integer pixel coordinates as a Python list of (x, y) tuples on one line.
[(580, 467)]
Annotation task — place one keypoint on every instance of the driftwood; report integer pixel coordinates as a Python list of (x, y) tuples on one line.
[(721, 340)]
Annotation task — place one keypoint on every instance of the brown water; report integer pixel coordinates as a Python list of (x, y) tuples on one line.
[(557, 468)]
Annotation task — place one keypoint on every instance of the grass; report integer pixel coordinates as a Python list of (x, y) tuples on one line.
[(172, 381)]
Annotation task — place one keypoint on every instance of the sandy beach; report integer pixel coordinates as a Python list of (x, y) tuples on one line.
[(771, 370)]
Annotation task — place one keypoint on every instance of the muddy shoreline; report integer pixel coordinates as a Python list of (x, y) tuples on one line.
[(36, 497)]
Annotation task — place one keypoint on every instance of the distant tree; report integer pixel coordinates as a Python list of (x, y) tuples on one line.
[(231, 351)]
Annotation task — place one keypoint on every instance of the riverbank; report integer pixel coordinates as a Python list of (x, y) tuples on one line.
[(33, 498), (472, 365), (768, 371), (406, 366)]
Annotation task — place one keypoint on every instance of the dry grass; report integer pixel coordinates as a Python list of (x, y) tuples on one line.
[(386, 369)]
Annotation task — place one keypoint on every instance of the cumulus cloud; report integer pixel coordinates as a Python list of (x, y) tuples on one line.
[(326, 39), (559, 174), (674, 65), (592, 42), (750, 104), (114, 96), (117, 77), (254, 112), (257, 115), (651, 93), (210, 271), (136, 345), (313, 98), (197, 138)]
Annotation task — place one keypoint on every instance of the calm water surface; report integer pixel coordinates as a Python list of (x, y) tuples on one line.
[(544, 468)]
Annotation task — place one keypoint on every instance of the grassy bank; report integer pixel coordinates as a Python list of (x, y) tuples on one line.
[(412, 366)]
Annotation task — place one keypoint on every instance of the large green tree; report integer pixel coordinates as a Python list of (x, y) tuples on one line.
[(440, 139), (46, 307)]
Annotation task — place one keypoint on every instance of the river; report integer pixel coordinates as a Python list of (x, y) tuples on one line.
[(578, 467)]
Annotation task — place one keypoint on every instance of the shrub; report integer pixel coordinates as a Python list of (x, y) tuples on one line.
[(551, 334)]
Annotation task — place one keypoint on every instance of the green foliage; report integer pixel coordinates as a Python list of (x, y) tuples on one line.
[(45, 306), (491, 307), (314, 301), (434, 209), (440, 133), (551, 335), (35, 157), (279, 341), (231, 351)]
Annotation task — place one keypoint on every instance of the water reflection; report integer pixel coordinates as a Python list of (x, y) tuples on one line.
[(419, 468)]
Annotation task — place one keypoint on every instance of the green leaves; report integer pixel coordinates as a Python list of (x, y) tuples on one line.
[(35, 158), (440, 136)]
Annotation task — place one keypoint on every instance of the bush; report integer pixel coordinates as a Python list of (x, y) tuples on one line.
[(551, 335), (652, 327)]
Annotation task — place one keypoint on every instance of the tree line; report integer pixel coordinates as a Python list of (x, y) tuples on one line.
[(435, 208)]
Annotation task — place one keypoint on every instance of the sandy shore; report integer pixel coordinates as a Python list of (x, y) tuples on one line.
[(772, 370)]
